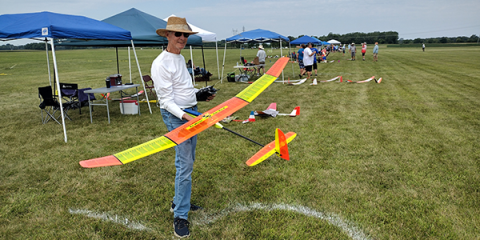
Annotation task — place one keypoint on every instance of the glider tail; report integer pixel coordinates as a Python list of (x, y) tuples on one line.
[(295, 112), (281, 146), (271, 148)]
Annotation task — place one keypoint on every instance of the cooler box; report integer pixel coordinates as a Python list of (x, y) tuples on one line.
[(130, 107)]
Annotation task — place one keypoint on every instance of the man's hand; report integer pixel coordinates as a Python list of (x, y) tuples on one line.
[(210, 98), (187, 117)]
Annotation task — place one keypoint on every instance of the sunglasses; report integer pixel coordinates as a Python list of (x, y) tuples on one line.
[(178, 34)]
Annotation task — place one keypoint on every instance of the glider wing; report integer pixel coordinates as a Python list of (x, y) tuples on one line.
[(193, 127)]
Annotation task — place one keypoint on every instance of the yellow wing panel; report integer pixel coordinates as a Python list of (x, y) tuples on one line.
[(145, 149), (252, 91)]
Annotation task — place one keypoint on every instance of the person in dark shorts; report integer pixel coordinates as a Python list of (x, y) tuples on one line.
[(308, 56), (353, 49), (300, 60)]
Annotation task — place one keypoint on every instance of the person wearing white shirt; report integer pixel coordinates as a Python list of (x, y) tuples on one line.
[(308, 56), (175, 92)]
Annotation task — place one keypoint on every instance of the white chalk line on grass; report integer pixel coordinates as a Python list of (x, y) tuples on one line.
[(348, 227), (204, 218), (110, 218)]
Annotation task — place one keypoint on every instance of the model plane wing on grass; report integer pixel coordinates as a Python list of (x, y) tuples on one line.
[(194, 126)]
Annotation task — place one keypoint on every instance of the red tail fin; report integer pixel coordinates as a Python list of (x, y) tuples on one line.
[(281, 146)]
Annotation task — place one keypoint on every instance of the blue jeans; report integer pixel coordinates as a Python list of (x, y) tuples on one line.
[(184, 158)]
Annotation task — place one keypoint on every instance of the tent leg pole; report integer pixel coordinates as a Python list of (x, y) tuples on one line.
[(223, 65), (118, 67), (59, 92), (129, 65), (141, 78), (193, 70), (293, 70), (218, 65), (48, 63), (281, 54), (204, 68)]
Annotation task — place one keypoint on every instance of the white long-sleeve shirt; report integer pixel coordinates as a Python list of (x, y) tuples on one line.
[(173, 84)]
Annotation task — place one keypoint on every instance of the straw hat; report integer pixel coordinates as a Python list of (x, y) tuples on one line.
[(260, 46), (176, 24)]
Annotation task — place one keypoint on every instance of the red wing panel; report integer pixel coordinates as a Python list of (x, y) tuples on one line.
[(206, 120), (277, 68), (101, 162)]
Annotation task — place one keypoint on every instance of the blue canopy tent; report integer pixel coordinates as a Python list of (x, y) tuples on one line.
[(306, 39), (142, 26), (47, 26), (257, 35)]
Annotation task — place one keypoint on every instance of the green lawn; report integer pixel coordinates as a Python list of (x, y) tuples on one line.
[(396, 160)]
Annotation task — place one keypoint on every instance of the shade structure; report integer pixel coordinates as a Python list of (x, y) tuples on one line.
[(333, 41), (257, 35), (56, 25), (47, 26), (306, 39), (142, 27)]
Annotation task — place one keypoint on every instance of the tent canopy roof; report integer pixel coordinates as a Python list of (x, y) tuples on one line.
[(141, 25), (333, 41), (257, 35), (55, 25), (204, 34), (306, 39)]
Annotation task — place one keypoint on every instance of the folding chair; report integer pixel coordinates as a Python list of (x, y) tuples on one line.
[(149, 85), (48, 105), (70, 94)]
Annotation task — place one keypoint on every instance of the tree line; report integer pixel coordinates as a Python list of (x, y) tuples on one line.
[(390, 37)]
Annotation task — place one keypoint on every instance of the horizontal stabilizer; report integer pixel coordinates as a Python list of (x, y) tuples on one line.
[(268, 151)]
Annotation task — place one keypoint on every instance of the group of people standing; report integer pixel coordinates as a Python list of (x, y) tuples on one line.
[(353, 49), (307, 60)]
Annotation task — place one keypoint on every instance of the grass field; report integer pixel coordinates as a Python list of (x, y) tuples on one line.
[(396, 160)]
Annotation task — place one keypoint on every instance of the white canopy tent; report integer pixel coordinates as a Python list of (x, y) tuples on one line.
[(333, 41), (206, 36)]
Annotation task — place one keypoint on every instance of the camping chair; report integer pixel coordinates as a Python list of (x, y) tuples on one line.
[(48, 104), (149, 85), (70, 95)]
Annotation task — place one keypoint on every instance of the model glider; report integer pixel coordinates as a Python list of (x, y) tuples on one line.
[(194, 126), (364, 81), (333, 79), (272, 111), (378, 81), (279, 145)]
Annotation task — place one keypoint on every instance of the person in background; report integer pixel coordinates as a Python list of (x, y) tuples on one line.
[(176, 92), (315, 65), (375, 52), (308, 56), (353, 49), (364, 50), (343, 48), (300, 60), (423, 47), (261, 59)]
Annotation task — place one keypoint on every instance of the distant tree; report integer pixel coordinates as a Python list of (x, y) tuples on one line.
[(418, 40), (473, 38), (443, 40)]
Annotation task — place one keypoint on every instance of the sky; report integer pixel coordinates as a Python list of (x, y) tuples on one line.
[(410, 18)]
